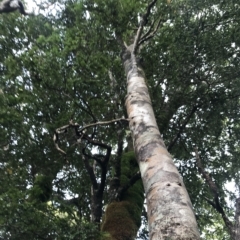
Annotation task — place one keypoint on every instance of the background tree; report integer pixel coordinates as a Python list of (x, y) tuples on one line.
[(64, 69)]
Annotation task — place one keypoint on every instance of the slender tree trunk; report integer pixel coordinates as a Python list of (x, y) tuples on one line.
[(170, 212), (96, 206)]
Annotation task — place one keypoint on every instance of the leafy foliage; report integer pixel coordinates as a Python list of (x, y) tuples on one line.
[(67, 65)]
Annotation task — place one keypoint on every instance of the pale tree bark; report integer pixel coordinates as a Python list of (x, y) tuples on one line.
[(170, 212)]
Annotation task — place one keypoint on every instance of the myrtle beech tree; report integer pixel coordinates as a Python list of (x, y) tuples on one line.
[(166, 195), (113, 113)]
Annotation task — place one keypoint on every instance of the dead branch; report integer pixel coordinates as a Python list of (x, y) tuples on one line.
[(79, 132), (103, 123), (55, 140)]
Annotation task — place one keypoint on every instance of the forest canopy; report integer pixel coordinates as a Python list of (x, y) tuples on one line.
[(67, 162)]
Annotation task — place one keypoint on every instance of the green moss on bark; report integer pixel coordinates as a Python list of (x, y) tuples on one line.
[(42, 189), (122, 219)]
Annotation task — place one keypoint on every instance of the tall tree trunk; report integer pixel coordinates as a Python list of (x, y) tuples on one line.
[(170, 212)]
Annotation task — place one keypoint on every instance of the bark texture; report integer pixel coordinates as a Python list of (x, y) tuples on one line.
[(170, 212)]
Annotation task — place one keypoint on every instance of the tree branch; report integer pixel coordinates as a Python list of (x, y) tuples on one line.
[(55, 140), (102, 123), (182, 127), (7, 6), (87, 109), (214, 190), (150, 34), (64, 129), (131, 182), (89, 170), (104, 169), (143, 22)]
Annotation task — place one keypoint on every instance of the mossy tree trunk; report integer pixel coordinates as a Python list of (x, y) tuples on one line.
[(122, 217)]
